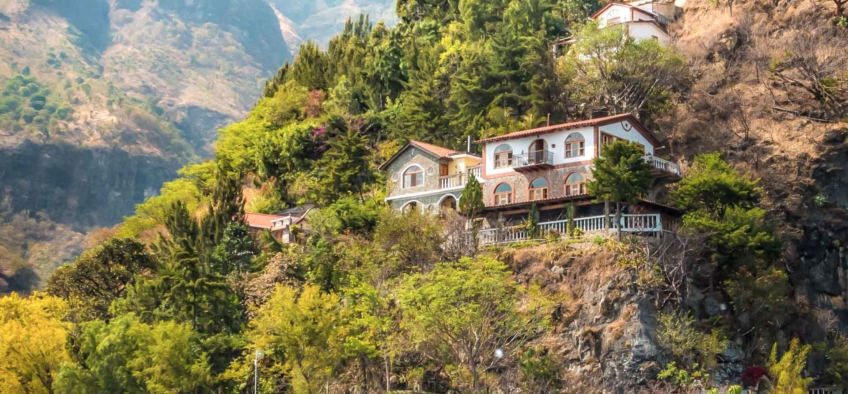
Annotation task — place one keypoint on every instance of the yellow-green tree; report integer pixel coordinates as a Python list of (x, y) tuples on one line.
[(129, 356), (302, 332), (469, 314), (786, 373), (32, 342)]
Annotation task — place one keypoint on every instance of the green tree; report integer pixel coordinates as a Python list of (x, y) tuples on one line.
[(689, 345), (713, 186), (620, 175), (471, 204), (100, 275), (310, 67), (193, 293), (464, 312), (235, 252), (303, 333), (617, 74), (126, 355), (471, 201), (345, 167)]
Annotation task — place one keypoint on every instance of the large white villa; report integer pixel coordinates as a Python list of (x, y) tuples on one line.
[(546, 166)]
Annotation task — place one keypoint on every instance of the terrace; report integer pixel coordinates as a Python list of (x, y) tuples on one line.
[(652, 224)]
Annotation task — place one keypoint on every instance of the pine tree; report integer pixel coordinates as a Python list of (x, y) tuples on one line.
[(471, 202), (273, 84), (345, 167), (620, 175), (310, 67)]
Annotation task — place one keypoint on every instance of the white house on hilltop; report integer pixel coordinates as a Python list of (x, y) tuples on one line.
[(642, 20)]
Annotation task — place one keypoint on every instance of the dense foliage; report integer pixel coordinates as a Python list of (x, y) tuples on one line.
[(185, 298)]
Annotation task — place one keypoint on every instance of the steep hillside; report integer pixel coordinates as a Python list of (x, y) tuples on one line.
[(772, 96)]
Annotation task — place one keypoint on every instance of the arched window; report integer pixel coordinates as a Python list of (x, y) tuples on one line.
[(503, 194), (503, 156), (413, 176), (575, 145), (575, 185), (538, 189)]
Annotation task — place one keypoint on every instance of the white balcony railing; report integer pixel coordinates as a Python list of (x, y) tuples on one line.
[(533, 158), (477, 171), (644, 223), (662, 164), (451, 181), (459, 180)]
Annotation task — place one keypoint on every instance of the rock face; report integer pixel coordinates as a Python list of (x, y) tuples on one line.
[(86, 187), (606, 332)]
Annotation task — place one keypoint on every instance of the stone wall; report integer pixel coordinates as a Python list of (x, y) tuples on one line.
[(520, 183), (429, 203), (416, 156)]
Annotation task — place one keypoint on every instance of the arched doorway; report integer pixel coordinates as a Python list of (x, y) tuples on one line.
[(410, 206), (447, 204)]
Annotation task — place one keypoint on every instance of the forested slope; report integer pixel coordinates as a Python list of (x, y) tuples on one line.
[(745, 294)]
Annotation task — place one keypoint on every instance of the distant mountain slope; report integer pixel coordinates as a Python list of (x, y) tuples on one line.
[(320, 20), (101, 101), (195, 65)]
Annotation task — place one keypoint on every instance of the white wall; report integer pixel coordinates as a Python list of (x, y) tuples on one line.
[(646, 31), (618, 130), (620, 11), (522, 146)]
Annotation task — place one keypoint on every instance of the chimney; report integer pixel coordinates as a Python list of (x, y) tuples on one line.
[(468, 149)]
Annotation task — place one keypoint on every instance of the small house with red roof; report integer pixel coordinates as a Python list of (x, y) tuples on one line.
[(281, 225)]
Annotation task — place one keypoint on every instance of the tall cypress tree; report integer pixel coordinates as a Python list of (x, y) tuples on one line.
[(620, 175)]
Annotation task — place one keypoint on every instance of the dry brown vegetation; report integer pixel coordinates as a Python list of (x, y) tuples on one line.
[(771, 94)]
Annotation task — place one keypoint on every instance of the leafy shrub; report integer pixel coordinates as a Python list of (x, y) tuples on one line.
[(677, 332), (787, 372)]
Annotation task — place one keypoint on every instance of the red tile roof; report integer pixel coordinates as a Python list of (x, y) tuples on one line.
[(438, 151), (260, 220), (435, 150), (575, 125)]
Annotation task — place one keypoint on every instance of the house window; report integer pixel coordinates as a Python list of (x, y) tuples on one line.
[(503, 194), (538, 152), (503, 156), (575, 145), (607, 139), (538, 189), (575, 185), (413, 176)]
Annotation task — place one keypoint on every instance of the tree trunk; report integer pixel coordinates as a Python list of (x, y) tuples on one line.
[(475, 377), (606, 214), (364, 372), (618, 219), (388, 384)]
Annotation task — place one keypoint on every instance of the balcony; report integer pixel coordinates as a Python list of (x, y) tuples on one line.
[(459, 180), (665, 167), (452, 181), (536, 160)]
